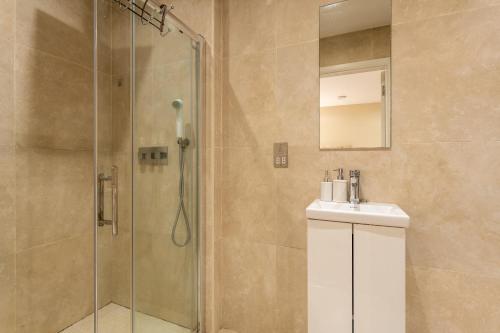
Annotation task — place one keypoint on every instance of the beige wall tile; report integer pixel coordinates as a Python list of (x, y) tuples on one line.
[(411, 10), (53, 102), (291, 290), (54, 289), (48, 25), (7, 19), (249, 117), (297, 186), (477, 28), (296, 21), (7, 201), (53, 195), (217, 113), (448, 301), (297, 98), (248, 26), (249, 297), (431, 99), (379, 180), (248, 198), (7, 92), (210, 118), (448, 210), (8, 292), (491, 213)]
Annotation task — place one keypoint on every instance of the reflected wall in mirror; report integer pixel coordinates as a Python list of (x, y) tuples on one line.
[(355, 74)]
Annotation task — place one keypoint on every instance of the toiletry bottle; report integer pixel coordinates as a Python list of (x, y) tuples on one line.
[(326, 188), (340, 186)]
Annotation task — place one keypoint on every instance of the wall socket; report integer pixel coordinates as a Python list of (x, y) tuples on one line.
[(280, 155)]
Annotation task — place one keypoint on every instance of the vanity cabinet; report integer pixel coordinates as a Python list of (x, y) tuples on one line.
[(356, 278)]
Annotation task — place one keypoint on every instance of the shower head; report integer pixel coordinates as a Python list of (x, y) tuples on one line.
[(179, 121), (178, 104)]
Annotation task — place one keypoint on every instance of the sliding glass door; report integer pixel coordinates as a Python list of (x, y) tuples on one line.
[(146, 172)]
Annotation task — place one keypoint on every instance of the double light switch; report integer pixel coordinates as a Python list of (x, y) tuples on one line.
[(281, 155)]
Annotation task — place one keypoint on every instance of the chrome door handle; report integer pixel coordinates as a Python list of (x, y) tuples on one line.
[(102, 178)]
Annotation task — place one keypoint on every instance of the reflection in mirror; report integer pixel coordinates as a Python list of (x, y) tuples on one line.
[(355, 51)]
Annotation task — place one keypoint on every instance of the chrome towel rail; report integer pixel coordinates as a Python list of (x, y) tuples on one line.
[(150, 12)]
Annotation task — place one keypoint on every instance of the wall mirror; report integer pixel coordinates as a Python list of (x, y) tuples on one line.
[(355, 74)]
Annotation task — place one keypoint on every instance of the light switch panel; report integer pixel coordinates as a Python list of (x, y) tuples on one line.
[(281, 155)]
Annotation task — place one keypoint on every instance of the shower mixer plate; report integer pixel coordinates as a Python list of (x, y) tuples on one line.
[(153, 155)]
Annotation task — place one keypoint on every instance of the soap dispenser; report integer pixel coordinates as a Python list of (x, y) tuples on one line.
[(326, 188), (340, 186)]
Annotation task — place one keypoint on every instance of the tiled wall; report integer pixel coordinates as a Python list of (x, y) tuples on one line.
[(46, 164), (442, 168)]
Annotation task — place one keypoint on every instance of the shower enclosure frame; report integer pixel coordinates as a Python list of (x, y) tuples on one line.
[(200, 142)]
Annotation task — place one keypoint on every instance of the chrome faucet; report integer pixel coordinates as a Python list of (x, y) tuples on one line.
[(354, 188)]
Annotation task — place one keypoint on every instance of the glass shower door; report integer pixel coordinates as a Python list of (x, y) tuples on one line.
[(146, 177), (165, 192), (113, 175)]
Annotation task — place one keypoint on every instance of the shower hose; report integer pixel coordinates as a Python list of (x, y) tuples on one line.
[(181, 209)]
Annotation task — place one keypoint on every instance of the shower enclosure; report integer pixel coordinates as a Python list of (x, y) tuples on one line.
[(100, 103), (148, 97)]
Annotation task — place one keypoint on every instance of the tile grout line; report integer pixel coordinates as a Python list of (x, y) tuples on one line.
[(50, 243), (14, 134), (67, 61), (456, 12)]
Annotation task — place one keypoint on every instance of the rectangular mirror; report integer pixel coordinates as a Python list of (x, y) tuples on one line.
[(355, 74)]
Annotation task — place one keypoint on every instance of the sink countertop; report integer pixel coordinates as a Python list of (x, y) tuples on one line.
[(383, 214)]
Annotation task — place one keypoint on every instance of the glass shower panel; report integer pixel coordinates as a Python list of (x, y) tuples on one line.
[(113, 171), (165, 180), (146, 184)]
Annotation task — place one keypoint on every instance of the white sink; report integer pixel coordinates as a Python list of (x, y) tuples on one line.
[(389, 215)]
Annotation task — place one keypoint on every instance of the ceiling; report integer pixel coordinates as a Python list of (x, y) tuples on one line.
[(353, 15), (359, 88)]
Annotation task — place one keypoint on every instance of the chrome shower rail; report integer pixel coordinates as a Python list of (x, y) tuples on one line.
[(150, 12)]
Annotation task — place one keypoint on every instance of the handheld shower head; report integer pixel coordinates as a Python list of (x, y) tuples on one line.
[(178, 104), (179, 121)]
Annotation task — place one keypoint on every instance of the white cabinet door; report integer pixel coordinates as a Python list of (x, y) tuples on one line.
[(379, 279), (329, 254)]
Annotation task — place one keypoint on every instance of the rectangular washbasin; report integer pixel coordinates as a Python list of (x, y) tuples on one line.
[(372, 213)]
